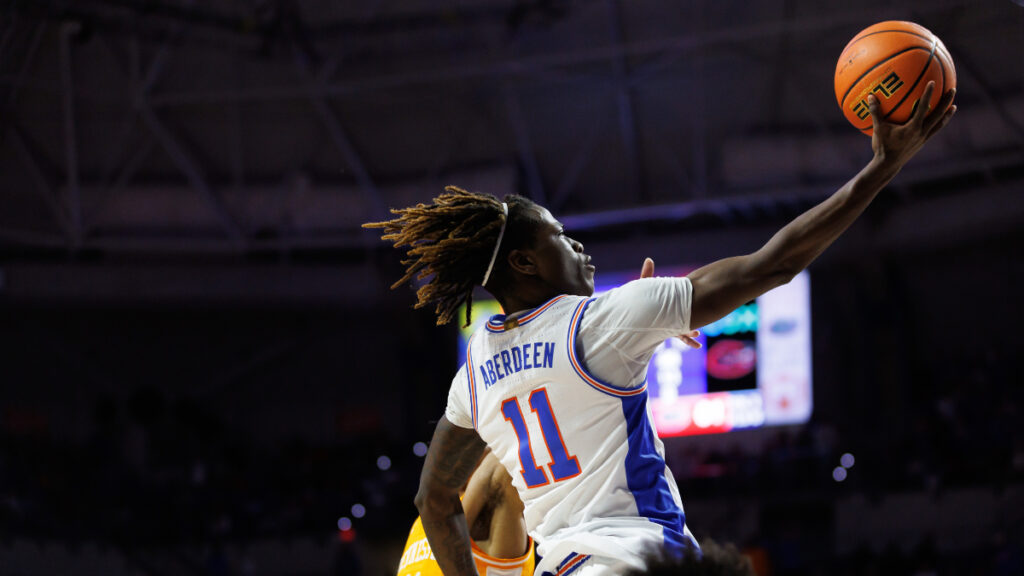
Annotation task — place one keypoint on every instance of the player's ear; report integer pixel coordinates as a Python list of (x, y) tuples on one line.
[(522, 261)]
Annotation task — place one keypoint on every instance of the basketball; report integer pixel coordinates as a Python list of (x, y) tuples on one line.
[(893, 60)]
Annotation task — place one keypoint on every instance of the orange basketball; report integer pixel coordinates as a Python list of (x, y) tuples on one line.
[(893, 60)]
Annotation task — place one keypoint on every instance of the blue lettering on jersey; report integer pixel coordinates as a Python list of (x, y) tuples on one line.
[(506, 361), (490, 372), (514, 360), (497, 366)]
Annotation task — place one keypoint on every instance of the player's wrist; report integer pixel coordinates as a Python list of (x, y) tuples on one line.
[(882, 168)]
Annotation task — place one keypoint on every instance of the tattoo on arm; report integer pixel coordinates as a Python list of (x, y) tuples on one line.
[(455, 463), (454, 454)]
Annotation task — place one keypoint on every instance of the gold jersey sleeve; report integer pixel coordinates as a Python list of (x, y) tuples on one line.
[(418, 559)]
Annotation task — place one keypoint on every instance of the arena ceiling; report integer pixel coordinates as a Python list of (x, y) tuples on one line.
[(187, 128)]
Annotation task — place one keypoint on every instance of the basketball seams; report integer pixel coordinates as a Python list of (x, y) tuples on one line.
[(926, 38), (947, 62), (924, 70), (842, 103)]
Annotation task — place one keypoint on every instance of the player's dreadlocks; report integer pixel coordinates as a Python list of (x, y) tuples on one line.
[(451, 242)]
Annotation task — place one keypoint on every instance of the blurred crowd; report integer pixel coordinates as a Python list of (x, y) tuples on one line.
[(158, 470), (165, 470)]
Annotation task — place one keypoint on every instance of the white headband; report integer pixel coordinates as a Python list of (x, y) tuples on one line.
[(504, 210)]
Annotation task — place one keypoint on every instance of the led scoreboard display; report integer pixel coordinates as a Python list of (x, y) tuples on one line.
[(753, 370)]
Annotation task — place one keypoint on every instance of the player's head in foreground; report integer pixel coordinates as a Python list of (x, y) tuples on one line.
[(513, 248), (713, 559)]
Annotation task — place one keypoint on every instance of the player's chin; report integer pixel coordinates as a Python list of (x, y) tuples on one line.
[(587, 284)]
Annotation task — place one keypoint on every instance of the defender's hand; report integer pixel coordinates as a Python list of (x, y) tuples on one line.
[(690, 338)]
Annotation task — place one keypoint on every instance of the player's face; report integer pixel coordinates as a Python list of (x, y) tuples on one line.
[(560, 260)]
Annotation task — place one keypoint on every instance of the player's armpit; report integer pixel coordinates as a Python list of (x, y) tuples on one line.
[(453, 455)]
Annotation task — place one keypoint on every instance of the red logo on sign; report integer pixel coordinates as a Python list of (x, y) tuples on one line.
[(731, 359)]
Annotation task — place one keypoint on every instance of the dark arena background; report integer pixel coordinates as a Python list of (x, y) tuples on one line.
[(203, 371)]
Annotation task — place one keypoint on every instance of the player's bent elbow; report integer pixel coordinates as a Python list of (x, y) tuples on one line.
[(425, 501), (784, 276), (431, 502), (784, 271)]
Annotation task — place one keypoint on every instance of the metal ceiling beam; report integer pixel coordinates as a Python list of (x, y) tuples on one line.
[(527, 156), (142, 85), (42, 184), (181, 158), (317, 96), (7, 112), (525, 66), (33, 238), (67, 30), (123, 160), (237, 148), (115, 186), (190, 169), (724, 206), (624, 105), (8, 34), (583, 155), (967, 216), (203, 240)]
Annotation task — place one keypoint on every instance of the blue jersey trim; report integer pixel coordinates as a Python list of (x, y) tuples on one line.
[(581, 370), (645, 476), (496, 323), (472, 383), (569, 564)]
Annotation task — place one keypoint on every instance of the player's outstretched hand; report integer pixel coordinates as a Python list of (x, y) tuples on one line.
[(897, 143), (690, 338)]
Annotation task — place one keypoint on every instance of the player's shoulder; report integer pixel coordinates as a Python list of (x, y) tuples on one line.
[(641, 298), (647, 287)]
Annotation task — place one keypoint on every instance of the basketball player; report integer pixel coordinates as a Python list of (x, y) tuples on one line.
[(555, 386), (494, 515)]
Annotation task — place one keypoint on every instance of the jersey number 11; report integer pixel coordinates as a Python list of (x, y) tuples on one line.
[(563, 466)]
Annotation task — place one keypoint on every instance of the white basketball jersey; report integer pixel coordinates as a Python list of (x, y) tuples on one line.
[(583, 453)]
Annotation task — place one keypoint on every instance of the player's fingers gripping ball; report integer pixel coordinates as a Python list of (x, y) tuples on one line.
[(893, 60)]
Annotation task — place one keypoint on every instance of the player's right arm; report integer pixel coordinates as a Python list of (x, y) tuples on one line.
[(722, 286), (453, 455)]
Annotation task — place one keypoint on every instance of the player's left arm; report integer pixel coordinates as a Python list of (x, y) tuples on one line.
[(453, 455)]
